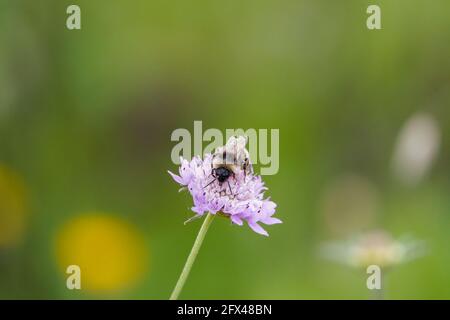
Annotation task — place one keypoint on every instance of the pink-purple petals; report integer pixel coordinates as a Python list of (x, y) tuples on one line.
[(244, 202)]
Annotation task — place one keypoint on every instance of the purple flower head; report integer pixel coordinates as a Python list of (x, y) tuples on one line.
[(240, 198)]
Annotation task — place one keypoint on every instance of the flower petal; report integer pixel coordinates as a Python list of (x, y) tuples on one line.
[(178, 179), (268, 207), (198, 210), (270, 220), (236, 220), (257, 228)]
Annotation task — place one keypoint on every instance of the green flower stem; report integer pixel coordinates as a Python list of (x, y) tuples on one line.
[(191, 258)]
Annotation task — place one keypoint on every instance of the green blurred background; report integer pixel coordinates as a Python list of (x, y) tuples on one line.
[(85, 124)]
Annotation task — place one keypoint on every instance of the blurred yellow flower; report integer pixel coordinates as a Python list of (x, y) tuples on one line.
[(12, 207), (110, 252)]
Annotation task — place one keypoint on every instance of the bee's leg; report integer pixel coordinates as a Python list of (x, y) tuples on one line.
[(209, 183), (229, 186), (213, 174)]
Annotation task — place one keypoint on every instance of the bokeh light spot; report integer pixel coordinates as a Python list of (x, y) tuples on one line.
[(111, 253)]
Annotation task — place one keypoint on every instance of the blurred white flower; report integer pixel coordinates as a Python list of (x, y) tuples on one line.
[(416, 147), (373, 248)]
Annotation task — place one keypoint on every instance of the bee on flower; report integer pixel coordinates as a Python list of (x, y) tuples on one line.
[(224, 183)]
